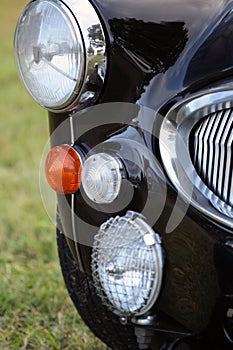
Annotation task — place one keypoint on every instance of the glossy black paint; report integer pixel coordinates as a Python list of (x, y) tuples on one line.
[(175, 34), (159, 52)]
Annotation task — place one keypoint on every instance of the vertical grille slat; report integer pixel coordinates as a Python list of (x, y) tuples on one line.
[(213, 153), (218, 161), (206, 150), (215, 124), (200, 146), (231, 189), (222, 150), (229, 165)]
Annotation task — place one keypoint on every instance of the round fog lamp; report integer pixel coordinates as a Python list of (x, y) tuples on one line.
[(49, 52), (127, 264), (102, 177)]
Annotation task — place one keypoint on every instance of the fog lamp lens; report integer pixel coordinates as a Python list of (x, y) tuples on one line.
[(63, 168), (127, 264), (102, 177)]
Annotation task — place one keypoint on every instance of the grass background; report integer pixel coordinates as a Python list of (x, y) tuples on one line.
[(35, 310)]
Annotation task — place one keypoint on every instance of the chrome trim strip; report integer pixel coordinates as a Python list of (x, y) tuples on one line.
[(228, 166), (205, 153), (73, 214), (71, 130), (174, 146), (225, 154), (212, 138), (231, 188), (213, 128), (201, 145), (218, 151)]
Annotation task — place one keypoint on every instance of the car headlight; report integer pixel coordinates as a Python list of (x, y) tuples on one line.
[(196, 146), (127, 265), (51, 49)]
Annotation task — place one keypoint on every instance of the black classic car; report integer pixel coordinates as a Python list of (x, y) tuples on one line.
[(140, 104)]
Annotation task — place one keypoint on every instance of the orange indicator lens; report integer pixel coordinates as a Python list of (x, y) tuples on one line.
[(63, 168)]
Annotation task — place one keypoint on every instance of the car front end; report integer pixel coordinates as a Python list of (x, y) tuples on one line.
[(140, 105)]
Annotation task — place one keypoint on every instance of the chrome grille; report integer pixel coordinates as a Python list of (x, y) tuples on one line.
[(213, 153)]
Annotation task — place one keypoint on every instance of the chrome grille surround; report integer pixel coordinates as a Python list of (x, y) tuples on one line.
[(190, 179)]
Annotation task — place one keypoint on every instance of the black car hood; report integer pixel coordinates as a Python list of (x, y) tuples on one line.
[(197, 15), (178, 46)]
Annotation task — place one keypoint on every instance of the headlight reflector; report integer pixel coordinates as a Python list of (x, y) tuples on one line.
[(127, 264), (50, 53)]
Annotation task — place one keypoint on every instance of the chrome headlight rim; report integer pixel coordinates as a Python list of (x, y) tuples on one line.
[(174, 147), (81, 15), (152, 241)]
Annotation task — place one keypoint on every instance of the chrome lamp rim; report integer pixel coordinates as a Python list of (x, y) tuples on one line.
[(81, 15)]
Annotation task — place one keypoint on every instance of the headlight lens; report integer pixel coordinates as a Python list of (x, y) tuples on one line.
[(50, 53), (127, 264)]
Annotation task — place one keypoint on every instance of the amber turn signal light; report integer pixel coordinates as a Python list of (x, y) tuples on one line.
[(63, 167)]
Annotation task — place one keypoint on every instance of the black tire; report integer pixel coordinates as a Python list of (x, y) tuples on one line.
[(104, 324)]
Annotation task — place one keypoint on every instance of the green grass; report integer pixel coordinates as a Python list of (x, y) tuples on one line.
[(35, 310)]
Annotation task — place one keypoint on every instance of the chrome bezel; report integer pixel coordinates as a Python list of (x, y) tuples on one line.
[(174, 147), (82, 15)]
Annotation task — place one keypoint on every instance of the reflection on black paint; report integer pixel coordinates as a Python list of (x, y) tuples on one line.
[(94, 82), (140, 51), (214, 55), (156, 45)]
